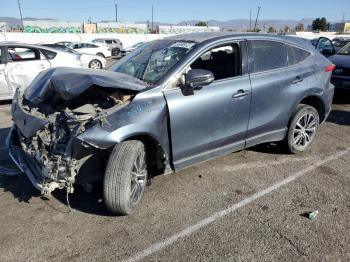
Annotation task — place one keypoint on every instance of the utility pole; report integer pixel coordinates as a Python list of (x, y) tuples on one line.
[(256, 20), (152, 18), (250, 20), (20, 13), (116, 12)]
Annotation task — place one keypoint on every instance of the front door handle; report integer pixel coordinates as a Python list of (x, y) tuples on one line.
[(240, 93), (297, 80)]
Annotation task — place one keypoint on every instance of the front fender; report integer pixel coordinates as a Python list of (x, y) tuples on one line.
[(146, 115)]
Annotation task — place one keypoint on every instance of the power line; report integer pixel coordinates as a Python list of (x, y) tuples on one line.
[(152, 18), (20, 13), (256, 20), (116, 12), (250, 20)]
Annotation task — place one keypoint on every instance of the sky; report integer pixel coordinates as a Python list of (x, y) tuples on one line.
[(175, 11)]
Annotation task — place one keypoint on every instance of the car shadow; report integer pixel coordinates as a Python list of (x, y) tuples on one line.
[(339, 117), (341, 96), (22, 189), (5, 102), (270, 148)]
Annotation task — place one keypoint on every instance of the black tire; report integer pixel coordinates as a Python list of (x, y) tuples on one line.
[(100, 54), (300, 138), (120, 178), (93, 64), (115, 51)]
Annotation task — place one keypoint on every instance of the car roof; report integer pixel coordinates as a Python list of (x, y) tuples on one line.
[(212, 36), (28, 45), (105, 39)]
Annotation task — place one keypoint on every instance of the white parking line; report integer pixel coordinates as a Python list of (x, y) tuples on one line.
[(195, 227)]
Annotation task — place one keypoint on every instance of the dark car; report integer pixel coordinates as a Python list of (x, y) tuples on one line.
[(168, 105), (341, 75), (339, 43)]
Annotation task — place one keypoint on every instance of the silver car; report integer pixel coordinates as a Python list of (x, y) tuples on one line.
[(21, 63), (168, 105)]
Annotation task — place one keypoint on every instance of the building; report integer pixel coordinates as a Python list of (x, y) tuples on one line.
[(342, 27)]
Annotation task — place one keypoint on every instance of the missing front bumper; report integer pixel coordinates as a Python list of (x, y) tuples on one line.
[(29, 165)]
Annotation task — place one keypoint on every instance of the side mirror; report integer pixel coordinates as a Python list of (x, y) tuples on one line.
[(198, 77)]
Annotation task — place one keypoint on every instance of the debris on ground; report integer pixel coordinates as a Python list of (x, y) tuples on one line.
[(310, 215)]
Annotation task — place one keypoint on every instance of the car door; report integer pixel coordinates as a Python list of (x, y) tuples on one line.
[(212, 121), (325, 46), (23, 65), (275, 89), (5, 90)]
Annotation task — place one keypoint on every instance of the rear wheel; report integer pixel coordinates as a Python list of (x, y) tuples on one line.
[(95, 64), (302, 129), (115, 51), (125, 178), (100, 54)]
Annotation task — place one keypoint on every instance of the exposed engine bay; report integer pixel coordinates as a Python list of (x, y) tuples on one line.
[(46, 130)]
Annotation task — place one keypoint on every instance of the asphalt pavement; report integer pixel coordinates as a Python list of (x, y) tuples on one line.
[(246, 206)]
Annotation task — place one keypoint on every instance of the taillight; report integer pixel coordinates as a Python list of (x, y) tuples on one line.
[(329, 68)]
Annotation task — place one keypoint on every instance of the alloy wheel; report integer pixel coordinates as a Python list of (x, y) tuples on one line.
[(138, 178), (94, 64), (305, 130)]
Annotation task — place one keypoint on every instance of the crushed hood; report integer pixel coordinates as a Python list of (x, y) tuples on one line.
[(68, 83)]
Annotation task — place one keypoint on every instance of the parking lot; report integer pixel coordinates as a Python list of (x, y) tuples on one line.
[(246, 206)]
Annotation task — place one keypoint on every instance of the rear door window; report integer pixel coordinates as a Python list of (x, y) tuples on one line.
[(296, 55), (267, 55), (19, 54)]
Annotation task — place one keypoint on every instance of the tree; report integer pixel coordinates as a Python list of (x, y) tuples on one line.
[(201, 23), (287, 29), (299, 27), (320, 24), (271, 29)]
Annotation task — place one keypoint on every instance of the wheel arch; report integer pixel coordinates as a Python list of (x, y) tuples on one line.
[(156, 151), (316, 102)]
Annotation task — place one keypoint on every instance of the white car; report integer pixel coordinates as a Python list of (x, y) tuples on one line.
[(115, 44), (87, 60), (128, 50), (21, 63), (93, 49)]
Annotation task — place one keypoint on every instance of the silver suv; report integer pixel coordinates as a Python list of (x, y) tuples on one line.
[(114, 43)]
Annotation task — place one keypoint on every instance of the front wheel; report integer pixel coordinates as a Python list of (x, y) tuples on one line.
[(95, 64), (125, 178), (302, 129)]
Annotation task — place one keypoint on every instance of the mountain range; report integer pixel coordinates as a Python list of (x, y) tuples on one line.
[(233, 24)]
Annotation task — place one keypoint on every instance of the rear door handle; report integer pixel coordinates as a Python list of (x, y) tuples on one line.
[(240, 93), (297, 80)]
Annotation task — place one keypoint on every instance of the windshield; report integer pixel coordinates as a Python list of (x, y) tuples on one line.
[(152, 61), (345, 50)]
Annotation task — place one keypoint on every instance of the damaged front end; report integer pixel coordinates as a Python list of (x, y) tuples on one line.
[(56, 108)]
